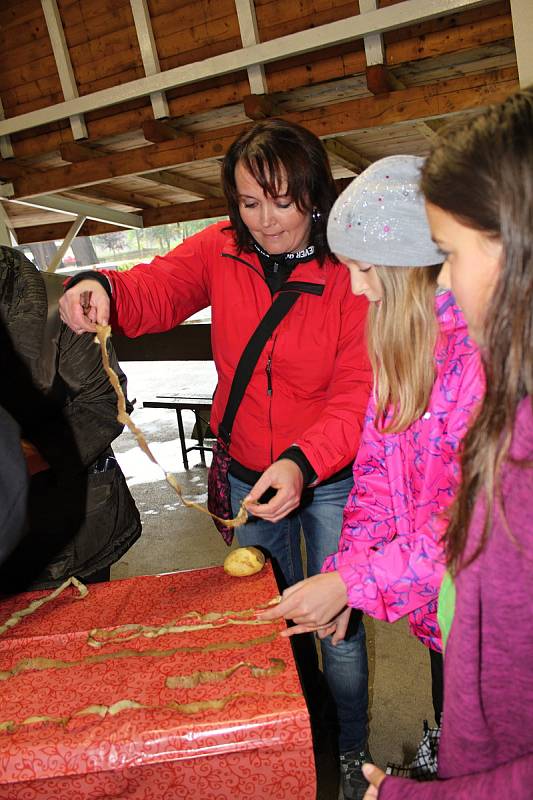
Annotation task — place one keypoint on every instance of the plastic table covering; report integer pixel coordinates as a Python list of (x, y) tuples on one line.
[(123, 719)]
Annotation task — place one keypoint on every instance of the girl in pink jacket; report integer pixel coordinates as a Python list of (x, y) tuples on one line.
[(427, 383)]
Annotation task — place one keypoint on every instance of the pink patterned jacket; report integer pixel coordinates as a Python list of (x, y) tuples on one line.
[(391, 555)]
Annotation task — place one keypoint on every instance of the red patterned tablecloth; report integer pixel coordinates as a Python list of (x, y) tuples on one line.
[(128, 711)]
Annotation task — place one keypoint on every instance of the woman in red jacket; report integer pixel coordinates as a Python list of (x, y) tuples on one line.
[(297, 428)]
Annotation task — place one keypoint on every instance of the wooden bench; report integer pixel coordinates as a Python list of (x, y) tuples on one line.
[(200, 405)]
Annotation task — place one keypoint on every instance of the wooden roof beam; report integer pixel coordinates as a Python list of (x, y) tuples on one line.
[(157, 131), (58, 230), (64, 65), (250, 36), (177, 181), (345, 30), (6, 148), (150, 58), (418, 103), (10, 170), (346, 156), (456, 39), (75, 208), (75, 153), (522, 14), (381, 80), (134, 200), (259, 106)]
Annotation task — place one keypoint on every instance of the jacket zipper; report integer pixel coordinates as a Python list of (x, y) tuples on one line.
[(268, 370), (269, 375)]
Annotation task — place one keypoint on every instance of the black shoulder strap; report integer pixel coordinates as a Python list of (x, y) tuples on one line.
[(279, 309)]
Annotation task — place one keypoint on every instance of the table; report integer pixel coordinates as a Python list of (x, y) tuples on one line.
[(181, 403), (174, 705)]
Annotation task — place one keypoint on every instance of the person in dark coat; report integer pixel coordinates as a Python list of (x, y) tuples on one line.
[(13, 485), (81, 515)]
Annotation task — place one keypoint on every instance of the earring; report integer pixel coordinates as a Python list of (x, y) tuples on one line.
[(315, 214)]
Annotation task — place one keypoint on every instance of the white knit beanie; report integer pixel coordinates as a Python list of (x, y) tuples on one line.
[(380, 217)]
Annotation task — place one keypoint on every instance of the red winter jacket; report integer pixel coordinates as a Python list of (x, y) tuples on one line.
[(319, 371)]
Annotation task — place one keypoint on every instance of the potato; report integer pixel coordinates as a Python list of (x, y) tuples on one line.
[(244, 561)]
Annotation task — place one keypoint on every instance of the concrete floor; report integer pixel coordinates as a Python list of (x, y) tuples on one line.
[(177, 538)]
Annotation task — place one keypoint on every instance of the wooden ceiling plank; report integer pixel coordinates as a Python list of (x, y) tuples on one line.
[(134, 200), (283, 77), (184, 212), (417, 103), (333, 33), (191, 185)]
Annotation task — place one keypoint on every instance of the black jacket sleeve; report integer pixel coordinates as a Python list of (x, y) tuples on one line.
[(13, 485)]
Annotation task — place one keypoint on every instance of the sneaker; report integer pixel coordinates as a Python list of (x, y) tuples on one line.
[(353, 782), (424, 765)]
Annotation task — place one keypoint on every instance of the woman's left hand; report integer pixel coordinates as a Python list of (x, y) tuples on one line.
[(312, 604), (375, 776), (286, 477)]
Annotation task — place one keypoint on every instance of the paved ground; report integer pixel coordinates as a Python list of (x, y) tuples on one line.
[(177, 538)]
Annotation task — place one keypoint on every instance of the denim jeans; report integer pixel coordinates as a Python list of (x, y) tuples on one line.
[(319, 516)]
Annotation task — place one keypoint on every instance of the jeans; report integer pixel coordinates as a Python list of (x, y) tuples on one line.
[(319, 516)]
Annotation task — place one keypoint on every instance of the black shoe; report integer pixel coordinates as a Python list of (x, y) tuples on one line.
[(353, 782)]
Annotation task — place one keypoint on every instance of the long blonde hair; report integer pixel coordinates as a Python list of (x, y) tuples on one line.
[(402, 333)]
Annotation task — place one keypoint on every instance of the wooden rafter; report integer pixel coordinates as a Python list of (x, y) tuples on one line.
[(346, 156), (380, 80), (157, 131), (420, 103), (296, 74), (177, 181)]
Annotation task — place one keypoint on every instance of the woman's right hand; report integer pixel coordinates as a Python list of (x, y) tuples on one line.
[(86, 304)]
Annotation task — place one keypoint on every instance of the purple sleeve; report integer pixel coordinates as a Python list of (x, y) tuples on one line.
[(512, 780)]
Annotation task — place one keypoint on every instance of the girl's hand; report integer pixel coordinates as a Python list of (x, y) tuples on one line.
[(312, 604), (338, 627), (86, 304), (286, 477), (375, 777)]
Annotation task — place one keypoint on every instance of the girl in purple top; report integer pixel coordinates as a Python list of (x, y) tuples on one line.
[(478, 184), (428, 381)]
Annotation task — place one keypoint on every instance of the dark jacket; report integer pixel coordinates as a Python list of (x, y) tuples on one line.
[(13, 485), (82, 517)]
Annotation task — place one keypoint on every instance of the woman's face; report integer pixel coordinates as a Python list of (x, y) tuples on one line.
[(275, 222), (364, 278), (471, 268)]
